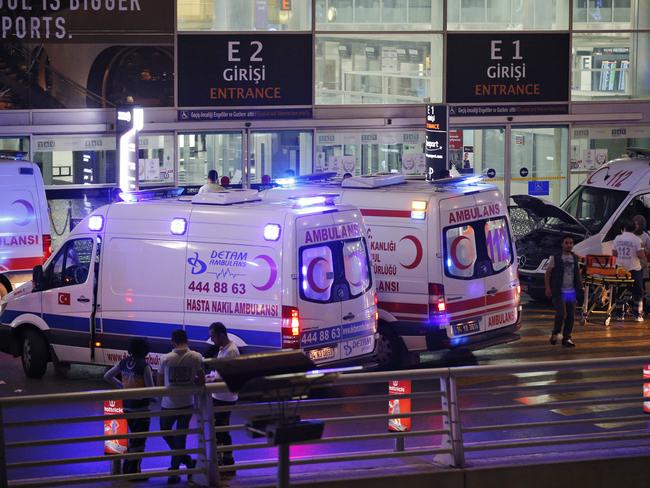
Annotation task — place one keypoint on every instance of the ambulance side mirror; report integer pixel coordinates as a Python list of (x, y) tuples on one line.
[(38, 278)]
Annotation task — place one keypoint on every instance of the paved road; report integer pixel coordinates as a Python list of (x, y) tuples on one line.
[(593, 340)]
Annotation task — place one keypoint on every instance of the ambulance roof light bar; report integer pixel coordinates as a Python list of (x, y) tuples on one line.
[(151, 194), (458, 180), (326, 199), (303, 179), (228, 197), (377, 180)]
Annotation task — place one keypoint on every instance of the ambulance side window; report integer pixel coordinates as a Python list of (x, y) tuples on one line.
[(71, 264)]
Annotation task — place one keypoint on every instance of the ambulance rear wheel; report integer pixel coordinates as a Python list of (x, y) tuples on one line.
[(35, 354), (390, 349), (5, 286)]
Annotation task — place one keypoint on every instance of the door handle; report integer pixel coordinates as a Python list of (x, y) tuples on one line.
[(349, 316), (83, 299), (492, 291), (451, 299)]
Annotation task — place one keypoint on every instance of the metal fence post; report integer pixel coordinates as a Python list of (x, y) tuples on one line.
[(456, 424), (446, 440), (4, 482), (208, 457)]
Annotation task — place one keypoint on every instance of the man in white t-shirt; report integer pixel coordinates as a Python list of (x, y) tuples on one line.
[(628, 251), (223, 348), (180, 367), (212, 186)]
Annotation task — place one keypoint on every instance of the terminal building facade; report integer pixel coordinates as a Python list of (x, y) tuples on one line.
[(539, 92)]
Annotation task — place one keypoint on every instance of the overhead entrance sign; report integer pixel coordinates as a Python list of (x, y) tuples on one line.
[(244, 70), (489, 68)]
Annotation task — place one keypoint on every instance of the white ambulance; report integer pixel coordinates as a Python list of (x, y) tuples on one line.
[(278, 275), (25, 239), (443, 257), (592, 213)]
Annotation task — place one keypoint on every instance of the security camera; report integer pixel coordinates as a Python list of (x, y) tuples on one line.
[(248, 124), (510, 119), (389, 121)]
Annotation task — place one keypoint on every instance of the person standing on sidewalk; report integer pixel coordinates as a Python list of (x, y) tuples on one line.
[(180, 367), (223, 348), (563, 285), (134, 373), (629, 252)]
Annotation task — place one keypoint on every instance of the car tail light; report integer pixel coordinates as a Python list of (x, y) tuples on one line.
[(47, 246), (518, 294), (290, 328), (437, 304)]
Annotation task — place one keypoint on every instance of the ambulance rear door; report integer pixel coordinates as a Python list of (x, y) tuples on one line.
[(333, 283), (465, 265)]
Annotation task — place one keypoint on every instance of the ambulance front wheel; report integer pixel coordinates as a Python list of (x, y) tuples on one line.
[(35, 354), (390, 348)]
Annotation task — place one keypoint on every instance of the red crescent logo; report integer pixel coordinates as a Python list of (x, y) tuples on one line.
[(272, 275), (454, 256), (591, 177), (310, 275), (418, 251)]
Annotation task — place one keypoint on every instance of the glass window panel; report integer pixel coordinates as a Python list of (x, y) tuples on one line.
[(611, 14), (378, 15), (382, 69), (14, 147), (77, 160), (498, 245), (592, 146), (507, 15), (610, 66), (316, 273), (156, 158), (365, 152), (77, 261), (460, 251), (279, 154), (199, 153), (539, 155), (244, 15), (356, 266)]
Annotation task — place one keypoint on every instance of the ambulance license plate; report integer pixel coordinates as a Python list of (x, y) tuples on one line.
[(322, 353), (466, 328)]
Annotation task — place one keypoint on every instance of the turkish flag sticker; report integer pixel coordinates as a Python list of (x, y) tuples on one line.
[(64, 298)]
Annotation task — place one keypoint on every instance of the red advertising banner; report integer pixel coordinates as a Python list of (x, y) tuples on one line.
[(115, 427), (646, 388), (399, 405), (456, 139)]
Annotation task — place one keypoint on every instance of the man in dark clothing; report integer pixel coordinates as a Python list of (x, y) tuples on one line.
[(563, 285), (135, 373)]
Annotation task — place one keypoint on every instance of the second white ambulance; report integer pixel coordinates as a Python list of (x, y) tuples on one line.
[(443, 257), (278, 275)]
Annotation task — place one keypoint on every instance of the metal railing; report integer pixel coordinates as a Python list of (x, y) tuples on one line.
[(467, 416)]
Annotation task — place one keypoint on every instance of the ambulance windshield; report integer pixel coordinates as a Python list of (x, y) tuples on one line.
[(591, 206), (334, 271)]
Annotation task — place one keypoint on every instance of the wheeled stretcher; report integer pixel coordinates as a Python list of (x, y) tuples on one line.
[(605, 285)]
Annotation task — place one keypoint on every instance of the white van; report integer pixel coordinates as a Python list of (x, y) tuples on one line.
[(278, 275), (592, 213), (25, 239), (443, 258)]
